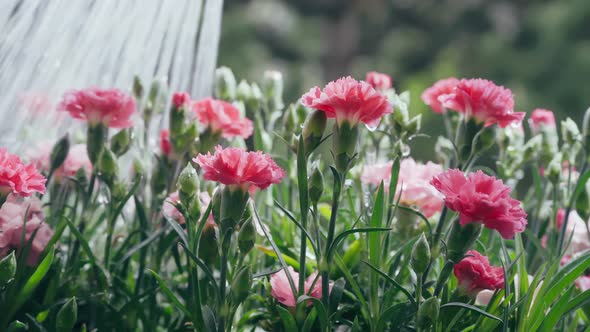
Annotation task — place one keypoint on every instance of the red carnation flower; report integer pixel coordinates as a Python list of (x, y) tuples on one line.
[(111, 107), (222, 117), (234, 166), (349, 100), (180, 99), (165, 145), (484, 101), (475, 274), (18, 178), (441, 87), (378, 80), (480, 198), (541, 118)]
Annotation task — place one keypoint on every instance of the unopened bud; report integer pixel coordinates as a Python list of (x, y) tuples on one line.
[(138, 90), (247, 236), (461, 239), (216, 205), (241, 284), (208, 247), (67, 316), (344, 143), (554, 168), (225, 84), (7, 269), (313, 130), (188, 184), (243, 92), (570, 132), (108, 167), (532, 148), (428, 313), (60, 152), (121, 142), (290, 121), (272, 86), (444, 149), (413, 126), (96, 136), (316, 185), (421, 255)]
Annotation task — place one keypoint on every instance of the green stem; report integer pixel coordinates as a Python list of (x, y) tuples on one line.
[(442, 278), (224, 306), (326, 264), (303, 204)]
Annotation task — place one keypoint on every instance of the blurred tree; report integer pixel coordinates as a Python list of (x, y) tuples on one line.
[(539, 49)]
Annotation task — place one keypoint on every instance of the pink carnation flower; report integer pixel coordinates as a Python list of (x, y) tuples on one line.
[(480, 198), (165, 145), (541, 118), (484, 101), (349, 100), (576, 229), (378, 81), (169, 210), (475, 274), (13, 225), (281, 289), (111, 107), (413, 183), (222, 117), (441, 87), (234, 166), (76, 160), (18, 178), (180, 99)]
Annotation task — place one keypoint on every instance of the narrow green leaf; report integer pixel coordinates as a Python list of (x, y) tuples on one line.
[(170, 295), (178, 229), (472, 308), (287, 319), (392, 281), (555, 314), (344, 234), (320, 309)]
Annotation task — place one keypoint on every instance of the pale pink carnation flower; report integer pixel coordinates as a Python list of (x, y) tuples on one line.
[(111, 107), (13, 225), (76, 160), (18, 178), (541, 118), (169, 210), (480, 198), (281, 289), (222, 117), (576, 229), (413, 183), (439, 88), (347, 99), (378, 81), (484, 101), (235, 166)]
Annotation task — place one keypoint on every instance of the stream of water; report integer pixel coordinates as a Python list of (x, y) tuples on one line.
[(50, 46)]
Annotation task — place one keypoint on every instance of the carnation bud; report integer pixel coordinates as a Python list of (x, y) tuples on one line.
[(243, 92), (138, 90), (225, 84), (7, 269), (461, 238), (532, 147), (96, 136), (194, 208), (570, 132), (313, 130), (108, 167), (208, 247), (138, 168), (316, 185), (159, 180), (233, 205), (188, 184), (290, 121), (444, 149), (272, 86), (344, 141), (420, 255), (428, 313), (247, 236), (554, 168), (119, 190), (60, 152), (121, 142), (241, 284), (413, 126), (67, 316), (156, 96)]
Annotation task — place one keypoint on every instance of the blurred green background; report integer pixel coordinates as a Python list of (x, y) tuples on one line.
[(538, 49)]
